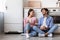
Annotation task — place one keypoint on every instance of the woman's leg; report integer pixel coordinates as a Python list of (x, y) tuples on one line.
[(27, 28)]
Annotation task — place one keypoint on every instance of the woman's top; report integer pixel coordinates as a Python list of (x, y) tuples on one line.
[(32, 21)]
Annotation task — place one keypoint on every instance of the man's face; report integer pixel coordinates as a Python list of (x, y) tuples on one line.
[(44, 12)]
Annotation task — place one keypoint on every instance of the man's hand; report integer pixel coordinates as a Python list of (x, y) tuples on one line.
[(43, 28)]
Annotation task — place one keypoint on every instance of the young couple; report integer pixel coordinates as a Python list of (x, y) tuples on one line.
[(44, 26)]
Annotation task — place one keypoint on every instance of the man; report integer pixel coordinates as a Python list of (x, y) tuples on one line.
[(45, 24)]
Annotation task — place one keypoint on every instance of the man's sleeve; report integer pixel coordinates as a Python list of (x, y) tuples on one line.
[(51, 22), (39, 22)]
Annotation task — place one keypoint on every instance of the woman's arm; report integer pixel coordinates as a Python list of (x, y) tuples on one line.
[(25, 21), (36, 22)]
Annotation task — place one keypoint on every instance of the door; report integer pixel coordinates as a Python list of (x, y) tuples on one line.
[(13, 19)]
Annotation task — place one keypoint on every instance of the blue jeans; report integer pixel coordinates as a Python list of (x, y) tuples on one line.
[(31, 29), (50, 30)]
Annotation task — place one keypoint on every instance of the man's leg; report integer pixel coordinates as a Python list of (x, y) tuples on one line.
[(38, 30), (53, 29)]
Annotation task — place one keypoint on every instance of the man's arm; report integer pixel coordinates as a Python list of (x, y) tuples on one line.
[(51, 22), (39, 22)]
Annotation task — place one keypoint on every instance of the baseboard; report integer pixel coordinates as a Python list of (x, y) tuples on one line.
[(13, 32), (56, 33)]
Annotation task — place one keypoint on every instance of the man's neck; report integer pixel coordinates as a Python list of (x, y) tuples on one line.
[(45, 15)]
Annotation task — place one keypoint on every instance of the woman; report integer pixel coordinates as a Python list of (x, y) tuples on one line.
[(30, 23)]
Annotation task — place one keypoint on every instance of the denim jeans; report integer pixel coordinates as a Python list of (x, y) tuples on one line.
[(50, 30), (32, 32)]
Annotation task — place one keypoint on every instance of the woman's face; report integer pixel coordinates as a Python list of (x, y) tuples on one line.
[(32, 13), (44, 12)]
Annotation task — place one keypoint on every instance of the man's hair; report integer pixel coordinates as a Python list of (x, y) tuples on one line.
[(30, 11), (45, 10)]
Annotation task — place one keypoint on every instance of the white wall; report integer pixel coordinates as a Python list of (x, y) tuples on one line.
[(46, 3), (38, 13), (49, 3)]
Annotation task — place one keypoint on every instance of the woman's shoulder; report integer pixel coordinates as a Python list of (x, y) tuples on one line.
[(34, 18)]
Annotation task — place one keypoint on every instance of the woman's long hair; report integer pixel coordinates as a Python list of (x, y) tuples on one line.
[(30, 11)]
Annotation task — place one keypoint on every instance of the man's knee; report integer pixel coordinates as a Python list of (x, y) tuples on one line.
[(55, 26)]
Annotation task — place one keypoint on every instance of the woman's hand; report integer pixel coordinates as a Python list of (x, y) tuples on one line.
[(36, 24)]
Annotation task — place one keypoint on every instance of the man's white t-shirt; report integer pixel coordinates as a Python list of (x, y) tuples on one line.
[(44, 22)]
